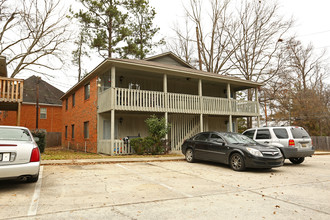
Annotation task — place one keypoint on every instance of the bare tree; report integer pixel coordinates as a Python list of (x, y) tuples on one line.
[(32, 34), (212, 39), (183, 44)]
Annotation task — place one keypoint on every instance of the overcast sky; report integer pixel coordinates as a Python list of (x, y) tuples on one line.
[(312, 25)]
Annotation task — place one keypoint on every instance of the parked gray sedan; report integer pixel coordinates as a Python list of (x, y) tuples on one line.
[(19, 154)]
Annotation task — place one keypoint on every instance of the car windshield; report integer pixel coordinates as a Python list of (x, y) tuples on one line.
[(15, 134), (234, 138)]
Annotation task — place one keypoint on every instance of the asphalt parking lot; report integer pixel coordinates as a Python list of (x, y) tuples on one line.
[(171, 190)]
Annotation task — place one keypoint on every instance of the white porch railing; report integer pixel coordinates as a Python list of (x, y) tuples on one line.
[(142, 100), (119, 147)]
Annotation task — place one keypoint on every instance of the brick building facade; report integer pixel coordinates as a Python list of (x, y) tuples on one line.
[(79, 111), (50, 107)]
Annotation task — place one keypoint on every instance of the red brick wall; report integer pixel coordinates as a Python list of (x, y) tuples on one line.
[(53, 122), (84, 110)]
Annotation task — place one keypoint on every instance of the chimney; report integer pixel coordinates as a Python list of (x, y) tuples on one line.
[(3, 66)]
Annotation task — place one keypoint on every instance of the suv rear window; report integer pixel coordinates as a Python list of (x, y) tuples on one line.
[(299, 133), (263, 134), (281, 133)]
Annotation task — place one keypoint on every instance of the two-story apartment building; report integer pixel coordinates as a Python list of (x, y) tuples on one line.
[(114, 100), (11, 92)]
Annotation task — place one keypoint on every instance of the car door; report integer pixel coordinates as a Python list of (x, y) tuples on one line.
[(217, 148), (263, 136), (201, 145)]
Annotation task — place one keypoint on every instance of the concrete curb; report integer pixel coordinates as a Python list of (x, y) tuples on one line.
[(109, 160)]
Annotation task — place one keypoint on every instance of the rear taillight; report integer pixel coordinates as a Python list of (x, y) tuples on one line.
[(291, 143), (35, 156)]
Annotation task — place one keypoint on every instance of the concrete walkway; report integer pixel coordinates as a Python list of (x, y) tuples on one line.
[(128, 159)]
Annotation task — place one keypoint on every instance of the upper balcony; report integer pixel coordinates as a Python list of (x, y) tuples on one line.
[(154, 101), (11, 90)]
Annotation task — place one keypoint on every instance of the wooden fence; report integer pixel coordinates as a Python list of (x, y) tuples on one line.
[(53, 139), (321, 143)]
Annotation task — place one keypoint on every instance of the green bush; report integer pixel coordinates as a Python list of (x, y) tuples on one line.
[(138, 145), (153, 144), (41, 135)]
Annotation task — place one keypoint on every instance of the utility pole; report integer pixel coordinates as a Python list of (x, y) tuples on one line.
[(37, 102), (199, 49)]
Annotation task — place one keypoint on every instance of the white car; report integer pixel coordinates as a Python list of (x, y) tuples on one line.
[(293, 141), (19, 154)]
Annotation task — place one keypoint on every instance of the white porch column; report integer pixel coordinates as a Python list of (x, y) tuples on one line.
[(258, 107), (113, 97), (229, 108), (166, 101), (200, 93)]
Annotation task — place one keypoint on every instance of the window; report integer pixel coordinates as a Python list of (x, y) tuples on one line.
[(298, 132), (201, 137), (215, 137), (73, 99), (263, 134), (66, 103), (86, 129), (87, 91), (66, 132), (72, 131), (249, 134), (281, 133), (43, 113)]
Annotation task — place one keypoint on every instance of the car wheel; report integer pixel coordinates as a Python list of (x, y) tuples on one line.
[(190, 155), (297, 160), (33, 179), (237, 162)]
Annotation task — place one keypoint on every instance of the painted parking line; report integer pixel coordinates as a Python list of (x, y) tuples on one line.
[(156, 182), (35, 198)]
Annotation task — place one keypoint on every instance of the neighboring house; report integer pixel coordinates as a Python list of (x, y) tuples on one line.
[(49, 111), (114, 100), (11, 93)]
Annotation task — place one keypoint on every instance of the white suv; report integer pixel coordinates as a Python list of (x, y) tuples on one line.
[(294, 142)]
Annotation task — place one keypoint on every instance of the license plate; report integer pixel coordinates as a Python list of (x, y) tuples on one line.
[(304, 145), (5, 157)]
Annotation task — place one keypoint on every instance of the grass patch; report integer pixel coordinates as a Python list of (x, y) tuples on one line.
[(59, 153)]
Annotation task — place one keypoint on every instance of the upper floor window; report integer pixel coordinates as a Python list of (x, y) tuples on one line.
[(73, 99), (87, 91), (66, 103), (43, 113)]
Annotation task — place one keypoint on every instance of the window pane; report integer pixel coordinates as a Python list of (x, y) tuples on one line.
[(72, 134), (249, 134), (281, 133), (73, 99), (86, 129), (299, 133), (43, 113), (263, 134), (87, 91), (201, 137), (66, 131), (66, 104)]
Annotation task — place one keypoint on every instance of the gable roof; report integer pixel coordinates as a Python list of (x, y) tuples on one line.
[(48, 94), (161, 58)]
